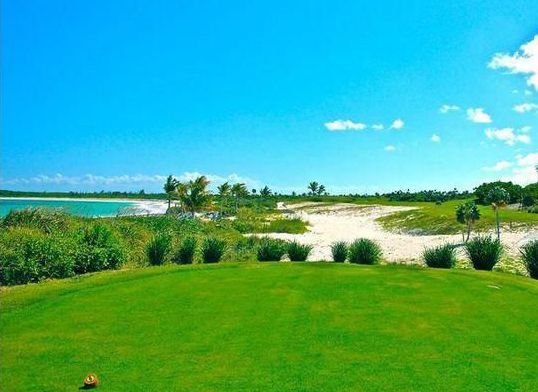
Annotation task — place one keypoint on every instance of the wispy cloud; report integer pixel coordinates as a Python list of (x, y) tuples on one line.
[(344, 125), (137, 179), (507, 135), (525, 107), (397, 124), (524, 61), (499, 166), (435, 138), (478, 115), (390, 148), (378, 127), (449, 108)]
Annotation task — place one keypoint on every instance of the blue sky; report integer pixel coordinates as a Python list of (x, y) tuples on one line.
[(117, 94)]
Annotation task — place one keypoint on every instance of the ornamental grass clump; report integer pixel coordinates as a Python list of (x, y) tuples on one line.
[(184, 253), (157, 248), (298, 252), (339, 251), (364, 251), (484, 252), (442, 256), (212, 250), (529, 254), (270, 249)]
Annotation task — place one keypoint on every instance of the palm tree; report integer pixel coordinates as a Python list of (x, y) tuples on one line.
[(194, 195), (224, 192), (498, 197), (169, 188), (239, 190), (313, 187), (321, 189), (468, 214), (265, 191)]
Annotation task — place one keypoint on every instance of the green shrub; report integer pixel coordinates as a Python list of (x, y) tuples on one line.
[(157, 248), (45, 219), (442, 256), (15, 269), (213, 249), (184, 253), (98, 250), (339, 251), (484, 252), (270, 249), (290, 226), (364, 251), (529, 254), (298, 252)]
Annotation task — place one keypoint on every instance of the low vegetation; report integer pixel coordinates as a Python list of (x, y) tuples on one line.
[(297, 251), (529, 254), (213, 249), (270, 249), (339, 251), (364, 251), (442, 256), (484, 252)]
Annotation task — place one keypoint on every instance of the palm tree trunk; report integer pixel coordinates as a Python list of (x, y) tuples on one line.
[(468, 232), (169, 200), (498, 223)]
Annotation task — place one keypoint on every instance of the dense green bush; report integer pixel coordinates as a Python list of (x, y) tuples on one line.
[(98, 250), (529, 254), (364, 251), (184, 252), (484, 252), (213, 249), (271, 249), (442, 256), (157, 248), (298, 252), (30, 256), (45, 219), (339, 251)]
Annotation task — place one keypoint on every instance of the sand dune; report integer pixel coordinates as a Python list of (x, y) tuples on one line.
[(346, 222)]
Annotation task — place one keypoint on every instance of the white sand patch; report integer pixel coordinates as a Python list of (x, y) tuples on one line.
[(347, 222)]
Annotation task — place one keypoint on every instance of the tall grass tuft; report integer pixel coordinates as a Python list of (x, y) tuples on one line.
[(184, 253), (157, 248), (45, 219), (298, 252), (442, 256), (339, 251), (529, 254), (213, 249), (484, 252), (364, 251), (270, 249)]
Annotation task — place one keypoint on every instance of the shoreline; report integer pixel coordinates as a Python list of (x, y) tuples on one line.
[(142, 206)]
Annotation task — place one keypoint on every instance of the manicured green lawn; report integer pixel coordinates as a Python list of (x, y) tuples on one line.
[(282, 327)]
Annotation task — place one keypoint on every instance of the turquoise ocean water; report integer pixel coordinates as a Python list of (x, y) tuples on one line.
[(75, 207)]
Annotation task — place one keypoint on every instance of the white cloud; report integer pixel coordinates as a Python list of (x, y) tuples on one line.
[(378, 127), (478, 115), (525, 172), (448, 108), (344, 125), (525, 129), (390, 148), (137, 179), (507, 135), (524, 61), (435, 138), (525, 107), (501, 165), (397, 124)]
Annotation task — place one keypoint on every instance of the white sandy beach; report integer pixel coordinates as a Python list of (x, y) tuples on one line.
[(346, 222)]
